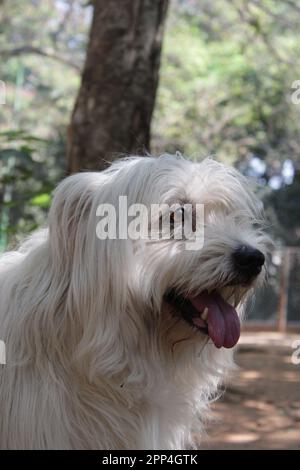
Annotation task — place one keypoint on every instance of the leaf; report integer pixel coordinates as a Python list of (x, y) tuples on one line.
[(42, 200)]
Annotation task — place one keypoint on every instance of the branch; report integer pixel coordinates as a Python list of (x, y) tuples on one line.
[(293, 5), (61, 26), (37, 51), (280, 19), (259, 33)]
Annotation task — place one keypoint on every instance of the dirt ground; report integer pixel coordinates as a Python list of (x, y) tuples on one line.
[(261, 407)]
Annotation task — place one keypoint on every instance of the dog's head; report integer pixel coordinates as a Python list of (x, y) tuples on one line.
[(163, 287)]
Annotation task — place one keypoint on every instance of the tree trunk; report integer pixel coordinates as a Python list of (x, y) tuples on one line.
[(113, 110)]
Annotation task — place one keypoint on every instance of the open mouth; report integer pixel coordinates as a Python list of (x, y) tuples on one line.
[(210, 314)]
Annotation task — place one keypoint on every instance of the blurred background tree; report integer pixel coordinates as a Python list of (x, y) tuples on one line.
[(115, 103), (225, 89)]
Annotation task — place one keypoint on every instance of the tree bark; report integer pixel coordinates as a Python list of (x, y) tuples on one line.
[(113, 110)]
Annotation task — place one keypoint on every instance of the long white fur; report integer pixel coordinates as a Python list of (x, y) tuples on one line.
[(96, 358)]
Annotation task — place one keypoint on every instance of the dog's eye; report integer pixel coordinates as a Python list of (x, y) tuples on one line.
[(177, 215)]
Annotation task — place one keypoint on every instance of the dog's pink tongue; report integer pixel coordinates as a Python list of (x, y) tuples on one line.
[(222, 319)]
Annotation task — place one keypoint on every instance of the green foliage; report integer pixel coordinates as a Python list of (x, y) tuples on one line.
[(40, 92), (226, 79), (41, 87), (29, 169)]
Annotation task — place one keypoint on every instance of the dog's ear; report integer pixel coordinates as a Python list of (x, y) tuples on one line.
[(73, 222), (69, 212)]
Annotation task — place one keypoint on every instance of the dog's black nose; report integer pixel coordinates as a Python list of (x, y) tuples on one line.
[(248, 260)]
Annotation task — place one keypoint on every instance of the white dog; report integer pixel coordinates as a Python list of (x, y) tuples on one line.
[(121, 343)]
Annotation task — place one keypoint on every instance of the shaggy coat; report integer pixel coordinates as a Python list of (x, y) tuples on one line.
[(97, 358)]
